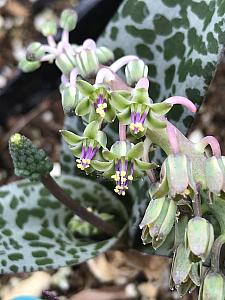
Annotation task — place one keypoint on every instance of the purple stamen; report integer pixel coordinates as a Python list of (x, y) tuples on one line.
[(143, 117)]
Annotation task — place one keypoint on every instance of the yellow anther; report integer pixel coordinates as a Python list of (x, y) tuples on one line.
[(126, 187), (80, 166), (130, 177), (104, 105), (132, 126), (123, 179), (187, 192), (122, 173), (123, 193), (78, 160)]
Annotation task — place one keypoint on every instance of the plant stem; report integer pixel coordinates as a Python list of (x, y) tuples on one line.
[(79, 210), (122, 132), (196, 203), (145, 158)]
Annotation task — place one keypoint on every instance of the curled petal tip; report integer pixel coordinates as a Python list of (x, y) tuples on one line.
[(183, 101), (143, 83)]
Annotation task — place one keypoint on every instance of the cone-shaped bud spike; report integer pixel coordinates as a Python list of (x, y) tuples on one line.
[(28, 160), (35, 52), (199, 238), (105, 55), (68, 19), (49, 28), (135, 70)]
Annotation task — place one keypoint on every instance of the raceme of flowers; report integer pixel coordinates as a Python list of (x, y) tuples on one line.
[(92, 90)]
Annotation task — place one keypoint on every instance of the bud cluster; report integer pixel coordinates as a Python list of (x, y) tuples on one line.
[(29, 161)]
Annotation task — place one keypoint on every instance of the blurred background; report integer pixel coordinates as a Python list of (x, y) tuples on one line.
[(114, 275)]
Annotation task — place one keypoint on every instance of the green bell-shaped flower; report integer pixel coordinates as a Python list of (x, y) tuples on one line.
[(158, 221), (177, 177), (199, 238), (35, 52), (65, 62), (215, 174), (96, 102), (213, 287), (29, 161), (135, 70), (68, 19), (123, 164), (28, 66), (85, 147), (49, 28), (105, 55), (185, 275), (87, 59)]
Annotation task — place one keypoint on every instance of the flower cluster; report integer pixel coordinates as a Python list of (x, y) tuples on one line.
[(92, 90)]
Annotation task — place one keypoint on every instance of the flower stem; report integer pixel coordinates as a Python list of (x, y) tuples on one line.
[(122, 132), (171, 131), (214, 144), (74, 205), (145, 158), (196, 204), (51, 41), (119, 63), (218, 254)]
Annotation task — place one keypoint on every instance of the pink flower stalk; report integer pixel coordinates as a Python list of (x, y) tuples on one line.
[(119, 63), (171, 131), (213, 143), (183, 101), (104, 74)]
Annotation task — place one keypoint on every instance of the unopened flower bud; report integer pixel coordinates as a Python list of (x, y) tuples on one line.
[(29, 66), (213, 287), (87, 62), (105, 55), (65, 62), (35, 52), (199, 238), (68, 19), (28, 160), (68, 99), (135, 70), (159, 219), (215, 168), (185, 275), (177, 177), (49, 28)]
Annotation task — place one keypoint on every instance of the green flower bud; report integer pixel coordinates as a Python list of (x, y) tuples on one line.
[(28, 160), (35, 52), (49, 28), (215, 168), (29, 66), (87, 62), (135, 70), (66, 63), (105, 55), (185, 275), (68, 19), (177, 177), (199, 238), (158, 220), (68, 99), (213, 287)]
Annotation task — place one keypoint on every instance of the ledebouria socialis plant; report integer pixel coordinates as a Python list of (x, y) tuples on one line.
[(191, 178)]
